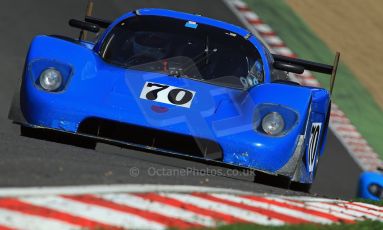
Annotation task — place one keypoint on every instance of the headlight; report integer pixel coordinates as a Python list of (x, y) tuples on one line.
[(274, 120), (273, 124), (50, 79), (376, 190)]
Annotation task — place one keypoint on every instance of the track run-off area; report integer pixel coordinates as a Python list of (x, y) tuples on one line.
[(163, 207), (27, 163)]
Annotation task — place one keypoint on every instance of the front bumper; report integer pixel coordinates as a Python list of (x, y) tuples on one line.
[(64, 112)]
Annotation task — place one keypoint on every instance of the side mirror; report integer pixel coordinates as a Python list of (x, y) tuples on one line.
[(84, 25), (292, 68)]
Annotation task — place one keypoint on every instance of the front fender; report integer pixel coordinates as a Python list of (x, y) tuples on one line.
[(273, 153)]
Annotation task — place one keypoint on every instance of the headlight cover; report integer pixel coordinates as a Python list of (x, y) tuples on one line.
[(273, 124), (376, 190), (50, 79), (274, 120), (49, 75)]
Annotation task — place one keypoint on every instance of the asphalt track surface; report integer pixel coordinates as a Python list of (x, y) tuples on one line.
[(32, 162)]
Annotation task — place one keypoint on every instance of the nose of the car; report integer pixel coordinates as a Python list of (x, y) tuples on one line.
[(163, 93), (156, 100)]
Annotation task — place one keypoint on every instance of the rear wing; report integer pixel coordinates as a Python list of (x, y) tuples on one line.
[(97, 21), (297, 65), (89, 23)]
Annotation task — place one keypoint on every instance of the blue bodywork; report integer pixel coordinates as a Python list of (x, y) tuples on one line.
[(230, 117), (371, 185)]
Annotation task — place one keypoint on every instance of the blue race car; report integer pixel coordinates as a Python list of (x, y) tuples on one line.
[(371, 185), (177, 83)]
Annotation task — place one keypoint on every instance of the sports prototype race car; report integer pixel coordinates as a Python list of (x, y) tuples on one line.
[(371, 185), (180, 84)]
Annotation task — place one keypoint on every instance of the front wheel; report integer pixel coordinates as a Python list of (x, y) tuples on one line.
[(57, 136), (300, 187), (304, 187)]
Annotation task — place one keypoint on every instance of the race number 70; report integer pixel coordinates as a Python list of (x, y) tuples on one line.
[(167, 94)]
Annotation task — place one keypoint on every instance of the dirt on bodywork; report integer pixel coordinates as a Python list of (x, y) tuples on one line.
[(355, 28)]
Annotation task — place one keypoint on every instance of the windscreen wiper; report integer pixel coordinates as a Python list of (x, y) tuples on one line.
[(194, 62), (203, 56)]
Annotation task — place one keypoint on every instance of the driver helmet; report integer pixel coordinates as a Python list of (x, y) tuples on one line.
[(151, 44)]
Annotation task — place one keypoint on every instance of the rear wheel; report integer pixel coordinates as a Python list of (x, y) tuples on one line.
[(59, 137)]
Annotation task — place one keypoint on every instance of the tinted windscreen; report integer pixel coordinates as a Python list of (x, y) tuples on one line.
[(184, 49)]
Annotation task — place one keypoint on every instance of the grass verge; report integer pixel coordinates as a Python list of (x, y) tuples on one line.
[(374, 202)]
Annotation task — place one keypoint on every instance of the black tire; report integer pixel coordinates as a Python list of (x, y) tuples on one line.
[(272, 180), (59, 137), (27, 132), (300, 187)]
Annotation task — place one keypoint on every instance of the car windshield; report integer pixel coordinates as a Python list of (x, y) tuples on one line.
[(184, 49)]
